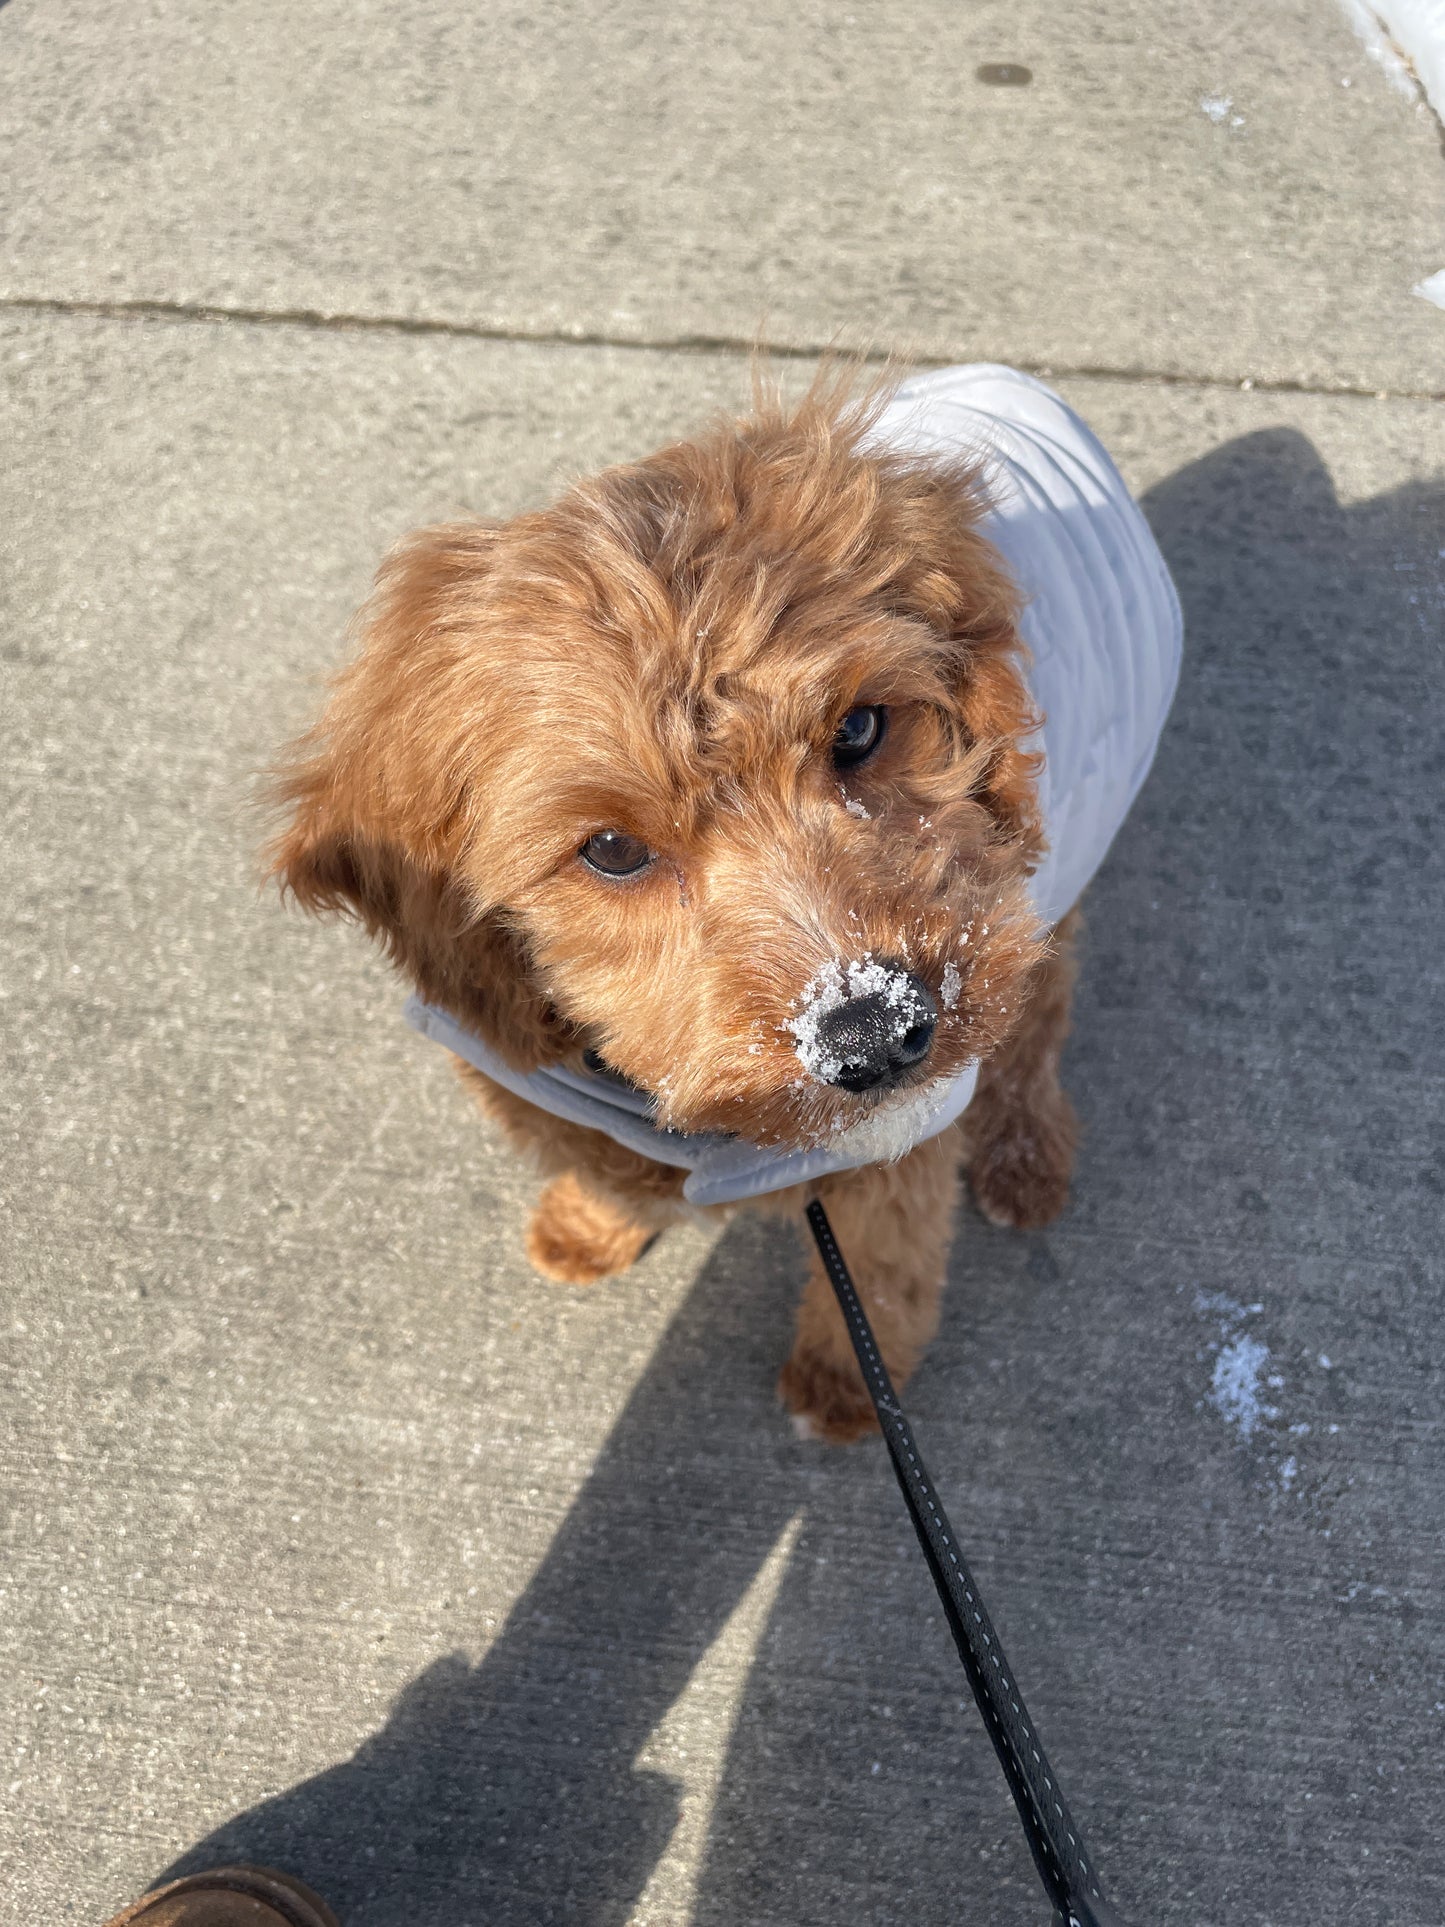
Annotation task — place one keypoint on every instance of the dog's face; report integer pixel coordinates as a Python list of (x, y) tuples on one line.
[(712, 769)]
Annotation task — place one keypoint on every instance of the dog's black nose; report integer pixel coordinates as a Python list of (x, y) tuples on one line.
[(867, 1043)]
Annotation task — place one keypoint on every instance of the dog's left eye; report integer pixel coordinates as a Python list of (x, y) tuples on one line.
[(613, 853), (859, 734)]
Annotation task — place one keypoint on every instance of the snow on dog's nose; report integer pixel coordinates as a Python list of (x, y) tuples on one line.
[(864, 1025)]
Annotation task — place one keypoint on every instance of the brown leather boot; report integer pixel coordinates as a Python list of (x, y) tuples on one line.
[(229, 1897)]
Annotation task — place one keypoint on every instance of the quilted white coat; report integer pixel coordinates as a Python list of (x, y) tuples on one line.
[(1102, 622)]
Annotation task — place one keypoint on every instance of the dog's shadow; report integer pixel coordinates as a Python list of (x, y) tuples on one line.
[(507, 1791)]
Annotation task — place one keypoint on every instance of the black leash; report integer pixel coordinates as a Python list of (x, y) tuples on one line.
[(1064, 1864)]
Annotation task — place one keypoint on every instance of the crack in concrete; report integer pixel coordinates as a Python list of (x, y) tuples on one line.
[(325, 321)]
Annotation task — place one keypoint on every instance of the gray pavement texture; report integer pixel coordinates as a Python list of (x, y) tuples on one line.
[(334, 1538)]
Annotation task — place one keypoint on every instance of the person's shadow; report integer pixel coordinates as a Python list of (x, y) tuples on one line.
[(506, 1793)]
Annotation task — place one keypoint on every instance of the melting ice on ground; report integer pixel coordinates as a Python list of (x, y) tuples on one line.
[(1241, 1373), (1235, 1387)]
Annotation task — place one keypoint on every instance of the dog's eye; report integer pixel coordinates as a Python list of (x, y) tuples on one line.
[(613, 853), (859, 734)]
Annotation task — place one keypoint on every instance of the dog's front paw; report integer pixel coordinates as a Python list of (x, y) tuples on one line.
[(576, 1238), (1020, 1176), (827, 1400)]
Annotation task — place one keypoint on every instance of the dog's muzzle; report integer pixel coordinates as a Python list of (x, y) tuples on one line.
[(876, 1039)]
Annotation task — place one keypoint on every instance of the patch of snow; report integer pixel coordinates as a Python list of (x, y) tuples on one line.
[(1407, 39), (1378, 44), (950, 986), (855, 808), (1241, 1379), (1235, 1386), (1432, 288), (1219, 109), (1241, 1365)]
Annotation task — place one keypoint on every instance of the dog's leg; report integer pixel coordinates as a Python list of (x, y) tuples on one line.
[(577, 1237), (893, 1223), (1020, 1129)]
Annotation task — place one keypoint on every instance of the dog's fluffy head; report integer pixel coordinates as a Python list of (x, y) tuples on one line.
[(668, 651)]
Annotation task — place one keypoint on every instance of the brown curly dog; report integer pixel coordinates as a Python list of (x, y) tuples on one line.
[(620, 783)]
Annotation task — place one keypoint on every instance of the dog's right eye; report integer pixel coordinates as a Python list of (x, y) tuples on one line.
[(613, 853), (859, 734)]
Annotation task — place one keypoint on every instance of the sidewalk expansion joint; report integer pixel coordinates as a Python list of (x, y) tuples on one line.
[(322, 321)]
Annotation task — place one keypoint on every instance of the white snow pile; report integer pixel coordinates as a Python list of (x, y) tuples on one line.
[(1241, 1381), (1407, 39), (1234, 1390), (1220, 108), (1239, 1365), (833, 985), (950, 986)]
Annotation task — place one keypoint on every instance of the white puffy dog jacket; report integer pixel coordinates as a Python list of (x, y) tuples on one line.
[(1103, 627)]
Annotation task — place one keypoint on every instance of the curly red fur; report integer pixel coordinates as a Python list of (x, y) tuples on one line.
[(668, 650)]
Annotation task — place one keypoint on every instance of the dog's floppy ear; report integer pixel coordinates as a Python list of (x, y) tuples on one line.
[(995, 703), (956, 579), (913, 523), (380, 803)]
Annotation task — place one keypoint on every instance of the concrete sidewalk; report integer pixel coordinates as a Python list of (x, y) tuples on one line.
[(334, 1537)]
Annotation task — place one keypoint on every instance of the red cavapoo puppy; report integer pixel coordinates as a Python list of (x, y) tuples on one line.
[(727, 817)]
